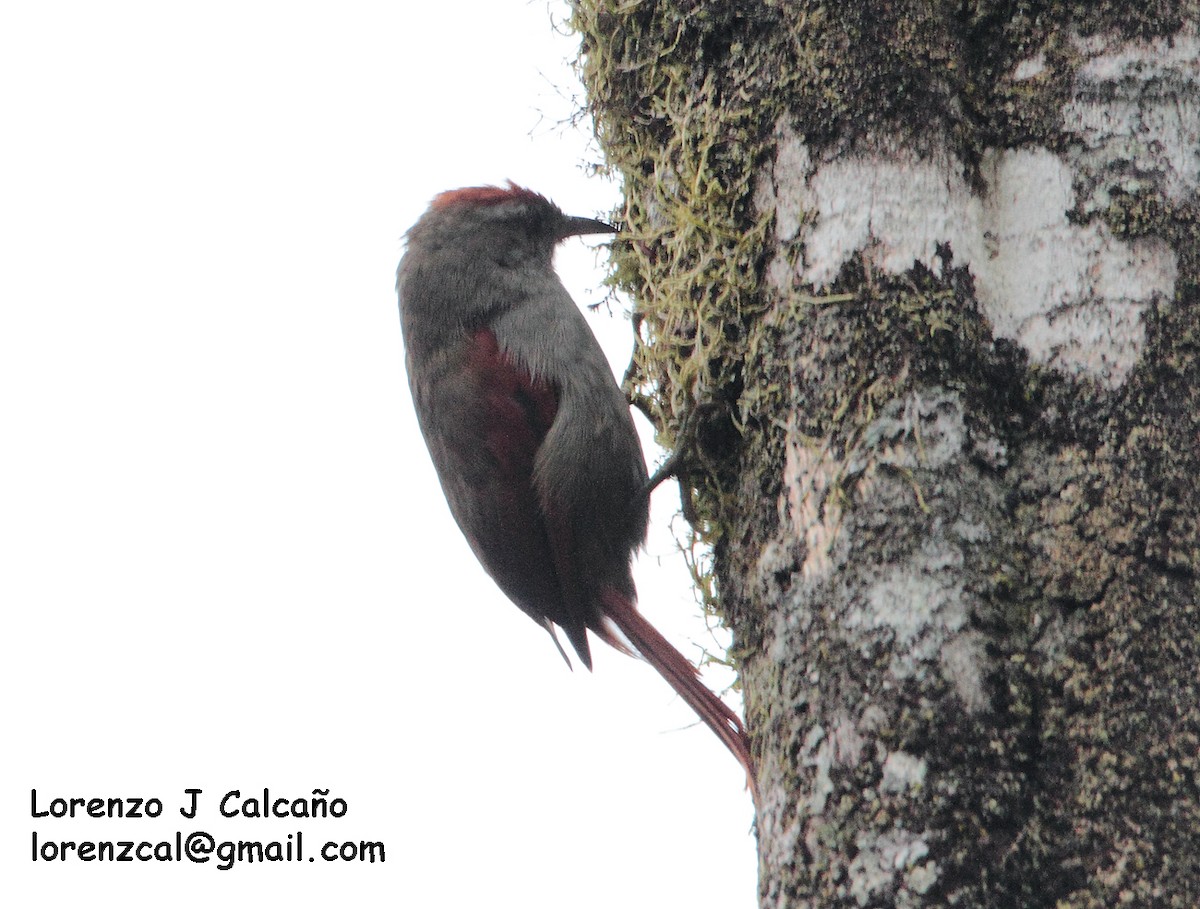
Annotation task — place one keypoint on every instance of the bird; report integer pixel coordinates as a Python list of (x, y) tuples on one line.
[(531, 436)]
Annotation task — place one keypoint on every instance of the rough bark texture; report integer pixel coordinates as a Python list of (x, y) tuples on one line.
[(928, 274)]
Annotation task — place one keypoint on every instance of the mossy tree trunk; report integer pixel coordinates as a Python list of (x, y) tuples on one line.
[(928, 274)]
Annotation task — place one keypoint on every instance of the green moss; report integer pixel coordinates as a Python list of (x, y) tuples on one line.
[(686, 134)]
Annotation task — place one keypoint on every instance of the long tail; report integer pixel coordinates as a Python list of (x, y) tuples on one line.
[(681, 675)]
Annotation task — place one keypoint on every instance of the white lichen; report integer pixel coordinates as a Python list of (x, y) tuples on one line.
[(1030, 67), (902, 771), (1135, 113), (1068, 291), (809, 511), (881, 859)]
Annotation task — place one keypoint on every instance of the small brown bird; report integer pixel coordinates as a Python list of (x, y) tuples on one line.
[(531, 436)]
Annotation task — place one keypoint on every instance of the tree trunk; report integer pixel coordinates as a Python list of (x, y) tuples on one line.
[(926, 276)]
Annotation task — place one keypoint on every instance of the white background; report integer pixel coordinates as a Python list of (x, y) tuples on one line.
[(225, 562)]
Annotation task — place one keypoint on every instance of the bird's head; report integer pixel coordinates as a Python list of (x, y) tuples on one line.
[(508, 225)]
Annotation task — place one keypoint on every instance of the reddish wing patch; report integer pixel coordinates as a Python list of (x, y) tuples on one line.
[(532, 555), (486, 195), (519, 408)]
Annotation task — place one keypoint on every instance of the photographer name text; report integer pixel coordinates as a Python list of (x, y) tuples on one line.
[(198, 846)]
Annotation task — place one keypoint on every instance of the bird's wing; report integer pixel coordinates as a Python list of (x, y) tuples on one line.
[(504, 414)]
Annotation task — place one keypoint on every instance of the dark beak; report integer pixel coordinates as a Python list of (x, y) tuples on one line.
[(575, 227)]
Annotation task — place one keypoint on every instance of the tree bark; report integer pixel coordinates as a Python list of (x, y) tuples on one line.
[(925, 276)]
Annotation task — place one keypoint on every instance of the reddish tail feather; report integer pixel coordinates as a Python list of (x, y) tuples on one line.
[(682, 676)]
